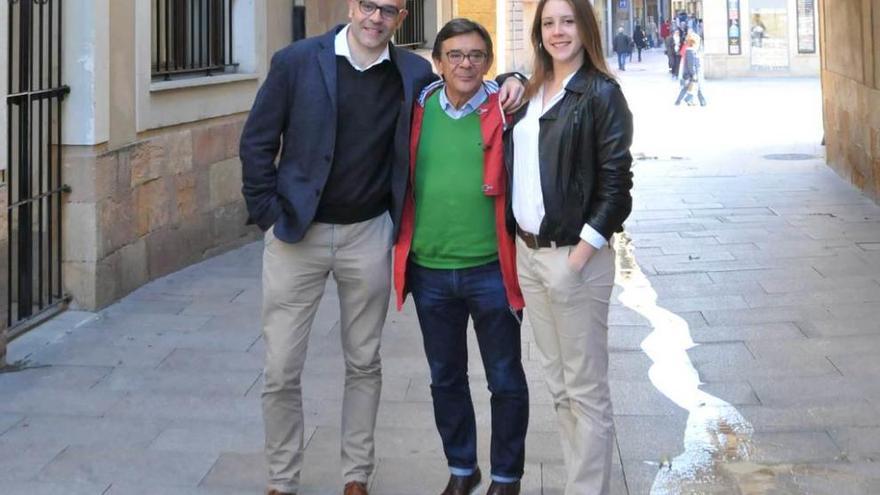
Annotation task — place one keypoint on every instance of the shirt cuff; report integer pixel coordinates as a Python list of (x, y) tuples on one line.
[(592, 237)]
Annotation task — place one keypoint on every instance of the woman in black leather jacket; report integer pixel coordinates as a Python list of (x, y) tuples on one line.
[(568, 154)]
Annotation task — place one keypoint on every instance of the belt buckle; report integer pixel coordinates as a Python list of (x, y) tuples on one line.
[(532, 240), (534, 243)]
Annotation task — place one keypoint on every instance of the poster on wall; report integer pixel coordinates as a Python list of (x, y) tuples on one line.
[(734, 37), (806, 24), (768, 35)]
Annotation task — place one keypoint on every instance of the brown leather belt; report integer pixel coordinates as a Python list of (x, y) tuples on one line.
[(533, 241)]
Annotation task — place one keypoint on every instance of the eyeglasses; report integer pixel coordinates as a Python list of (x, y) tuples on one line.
[(477, 58), (388, 12)]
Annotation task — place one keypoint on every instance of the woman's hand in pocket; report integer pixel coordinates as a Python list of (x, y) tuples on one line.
[(580, 255)]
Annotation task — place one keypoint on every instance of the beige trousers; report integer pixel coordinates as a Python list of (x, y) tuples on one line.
[(294, 276), (568, 312)]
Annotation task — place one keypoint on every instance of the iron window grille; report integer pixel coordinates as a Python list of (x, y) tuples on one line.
[(411, 34), (191, 37), (34, 186)]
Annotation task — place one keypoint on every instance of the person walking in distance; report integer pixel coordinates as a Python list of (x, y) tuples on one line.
[(691, 72), (640, 40), (569, 152), (338, 108), (622, 48)]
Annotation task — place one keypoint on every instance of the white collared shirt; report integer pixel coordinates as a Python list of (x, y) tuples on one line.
[(468, 108), (344, 50), (528, 197)]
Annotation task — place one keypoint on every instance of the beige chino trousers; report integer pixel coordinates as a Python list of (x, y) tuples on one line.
[(568, 312), (294, 276)]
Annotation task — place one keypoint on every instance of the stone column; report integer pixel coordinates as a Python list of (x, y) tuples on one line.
[(851, 90), (322, 15)]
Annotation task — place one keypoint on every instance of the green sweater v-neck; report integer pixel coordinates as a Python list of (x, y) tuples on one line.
[(454, 219)]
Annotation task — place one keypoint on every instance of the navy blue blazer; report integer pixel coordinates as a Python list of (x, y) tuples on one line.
[(296, 111)]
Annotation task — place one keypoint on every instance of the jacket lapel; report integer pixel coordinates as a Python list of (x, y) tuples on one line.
[(406, 75), (327, 62)]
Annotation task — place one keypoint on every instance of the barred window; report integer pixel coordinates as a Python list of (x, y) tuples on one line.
[(411, 34), (191, 37)]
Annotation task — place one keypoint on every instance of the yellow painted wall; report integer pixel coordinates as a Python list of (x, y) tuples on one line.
[(484, 12)]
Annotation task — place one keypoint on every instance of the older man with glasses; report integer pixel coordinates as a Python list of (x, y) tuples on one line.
[(338, 108), (458, 259)]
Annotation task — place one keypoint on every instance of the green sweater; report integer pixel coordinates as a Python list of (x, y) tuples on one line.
[(455, 220)]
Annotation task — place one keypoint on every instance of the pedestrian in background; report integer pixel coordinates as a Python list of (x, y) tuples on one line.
[(458, 259), (691, 72), (665, 29), (673, 45), (651, 28), (622, 47), (640, 40), (570, 155)]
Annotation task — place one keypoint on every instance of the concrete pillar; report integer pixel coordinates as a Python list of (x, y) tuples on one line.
[(279, 29), (322, 15), (122, 72)]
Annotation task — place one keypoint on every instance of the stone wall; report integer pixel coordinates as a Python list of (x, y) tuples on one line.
[(851, 91), (140, 212)]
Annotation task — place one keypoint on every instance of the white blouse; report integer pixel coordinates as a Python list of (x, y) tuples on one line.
[(528, 197)]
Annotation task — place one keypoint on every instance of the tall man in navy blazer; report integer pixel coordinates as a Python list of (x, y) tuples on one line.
[(338, 107)]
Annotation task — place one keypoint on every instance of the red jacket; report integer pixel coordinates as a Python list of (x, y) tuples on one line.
[(494, 184)]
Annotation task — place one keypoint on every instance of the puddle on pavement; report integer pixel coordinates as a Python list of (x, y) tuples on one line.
[(718, 447), (716, 432)]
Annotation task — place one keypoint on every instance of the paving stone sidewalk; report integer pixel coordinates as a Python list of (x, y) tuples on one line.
[(771, 268)]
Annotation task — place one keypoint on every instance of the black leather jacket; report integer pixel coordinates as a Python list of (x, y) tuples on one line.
[(585, 159)]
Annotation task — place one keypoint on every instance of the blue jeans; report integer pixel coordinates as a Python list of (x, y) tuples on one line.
[(444, 300), (621, 60)]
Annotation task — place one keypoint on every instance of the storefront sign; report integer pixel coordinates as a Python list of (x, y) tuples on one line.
[(768, 34), (806, 23), (734, 38)]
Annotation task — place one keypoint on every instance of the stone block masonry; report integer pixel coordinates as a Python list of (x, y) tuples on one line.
[(852, 129), (148, 209), (851, 91)]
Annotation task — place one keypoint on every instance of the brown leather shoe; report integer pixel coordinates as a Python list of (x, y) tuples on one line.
[(355, 488), (503, 488), (462, 485), (276, 492)]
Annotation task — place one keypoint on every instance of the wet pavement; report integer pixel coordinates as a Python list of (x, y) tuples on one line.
[(744, 338)]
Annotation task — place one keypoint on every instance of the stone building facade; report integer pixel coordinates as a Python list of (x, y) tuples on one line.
[(152, 162), (851, 91)]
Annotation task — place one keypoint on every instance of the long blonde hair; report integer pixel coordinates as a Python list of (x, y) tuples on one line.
[(591, 39)]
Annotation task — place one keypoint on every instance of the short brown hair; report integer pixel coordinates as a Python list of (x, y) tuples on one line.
[(458, 27)]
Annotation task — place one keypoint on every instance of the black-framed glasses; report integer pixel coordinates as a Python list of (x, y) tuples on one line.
[(476, 57), (388, 12)]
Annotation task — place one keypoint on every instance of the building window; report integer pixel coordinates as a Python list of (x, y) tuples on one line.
[(192, 37), (411, 34)]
